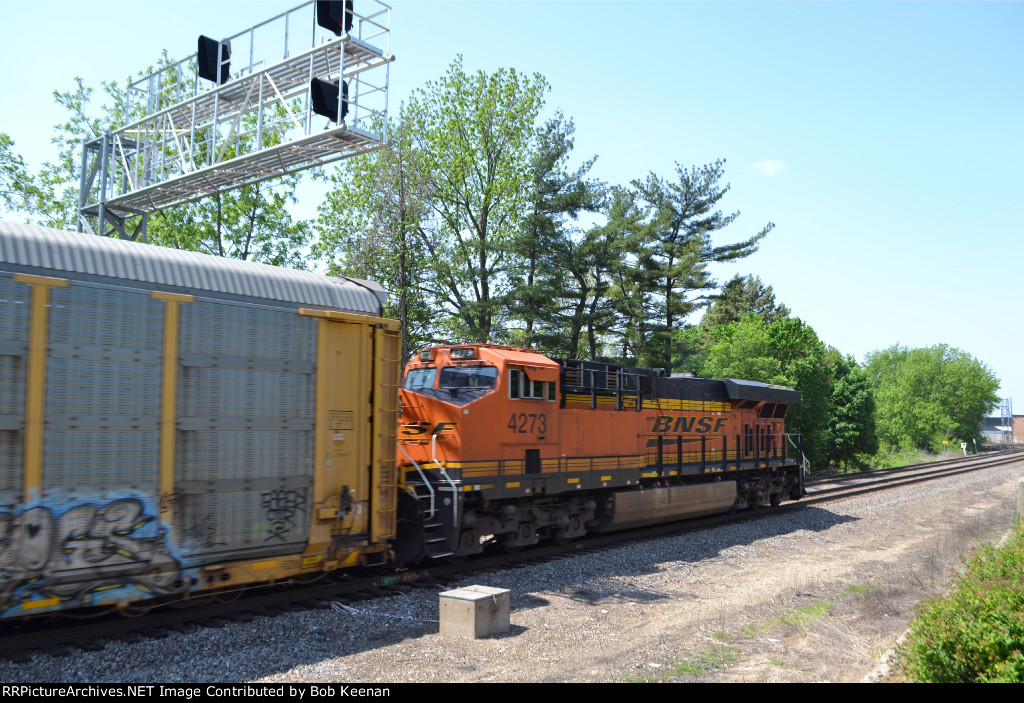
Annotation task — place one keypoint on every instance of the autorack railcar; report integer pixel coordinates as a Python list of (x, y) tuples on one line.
[(173, 423)]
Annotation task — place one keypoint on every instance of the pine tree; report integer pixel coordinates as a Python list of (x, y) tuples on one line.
[(683, 218)]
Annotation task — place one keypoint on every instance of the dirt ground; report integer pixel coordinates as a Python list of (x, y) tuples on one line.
[(820, 596)]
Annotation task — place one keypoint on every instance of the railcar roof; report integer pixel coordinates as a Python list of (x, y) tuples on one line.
[(34, 247)]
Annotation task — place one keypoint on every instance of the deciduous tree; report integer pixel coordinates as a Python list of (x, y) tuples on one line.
[(373, 225), (251, 223), (928, 395), (476, 137), (834, 415)]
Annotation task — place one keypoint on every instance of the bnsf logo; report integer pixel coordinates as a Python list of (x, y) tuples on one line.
[(684, 425), (416, 429)]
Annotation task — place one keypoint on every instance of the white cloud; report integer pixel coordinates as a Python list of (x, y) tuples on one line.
[(769, 168)]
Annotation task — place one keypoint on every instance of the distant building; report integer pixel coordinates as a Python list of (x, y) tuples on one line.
[(995, 430)]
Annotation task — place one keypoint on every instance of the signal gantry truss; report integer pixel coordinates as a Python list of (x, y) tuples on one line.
[(188, 138)]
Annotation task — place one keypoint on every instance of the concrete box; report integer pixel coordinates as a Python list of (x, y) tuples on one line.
[(475, 611)]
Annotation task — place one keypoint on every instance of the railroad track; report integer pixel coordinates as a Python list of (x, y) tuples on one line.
[(63, 632), (849, 485)]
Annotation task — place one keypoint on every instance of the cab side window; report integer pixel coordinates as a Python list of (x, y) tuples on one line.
[(521, 386)]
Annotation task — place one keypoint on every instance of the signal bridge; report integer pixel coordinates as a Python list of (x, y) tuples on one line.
[(312, 88)]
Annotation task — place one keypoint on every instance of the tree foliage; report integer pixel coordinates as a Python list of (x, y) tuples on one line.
[(929, 395), (835, 413), (850, 429), (547, 245), (14, 176), (976, 632), (458, 216), (742, 295), (251, 223), (476, 138), (49, 197), (373, 224)]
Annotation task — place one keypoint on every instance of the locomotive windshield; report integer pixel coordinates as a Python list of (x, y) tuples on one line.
[(418, 379), (469, 377)]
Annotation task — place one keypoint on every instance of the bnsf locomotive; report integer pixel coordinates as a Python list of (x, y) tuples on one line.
[(506, 444), (174, 424)]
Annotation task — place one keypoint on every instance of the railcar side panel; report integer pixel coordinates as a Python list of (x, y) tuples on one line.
[(243, 470), (356, 407), (15, 301)]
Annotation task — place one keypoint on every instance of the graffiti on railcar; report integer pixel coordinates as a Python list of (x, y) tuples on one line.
[(168, 499), (202, 530), (91, 547), (280, 508)]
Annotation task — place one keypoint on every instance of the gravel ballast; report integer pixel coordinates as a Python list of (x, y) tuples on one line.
[(813, 595)]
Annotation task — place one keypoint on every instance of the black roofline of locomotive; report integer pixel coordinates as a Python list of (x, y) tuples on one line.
[(710, 388), (753, 390)]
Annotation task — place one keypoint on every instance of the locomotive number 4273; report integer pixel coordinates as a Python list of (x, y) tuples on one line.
[(525, 423)]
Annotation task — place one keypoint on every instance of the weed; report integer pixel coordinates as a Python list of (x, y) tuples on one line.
[(888, 460), (638, 677), (866, 588), (802, 616), (707, 661), (777, 662), (722, 636)]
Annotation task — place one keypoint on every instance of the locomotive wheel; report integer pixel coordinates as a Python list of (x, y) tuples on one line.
[(509, 548), (775, 499)]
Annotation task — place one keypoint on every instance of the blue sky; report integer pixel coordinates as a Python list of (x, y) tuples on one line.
[(884, 140)]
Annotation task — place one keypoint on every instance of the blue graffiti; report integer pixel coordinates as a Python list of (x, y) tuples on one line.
[(90, 548)]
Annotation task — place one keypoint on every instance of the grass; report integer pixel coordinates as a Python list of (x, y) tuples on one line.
[(704, 663), (859, 590), (806, 615), (889, 460)]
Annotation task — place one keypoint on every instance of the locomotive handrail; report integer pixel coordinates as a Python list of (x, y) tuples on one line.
[(762, 451), (438, 464), (803, 457), (455, 490), (426, 481)]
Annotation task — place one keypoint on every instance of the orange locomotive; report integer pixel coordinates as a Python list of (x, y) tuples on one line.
[(508, 444)]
